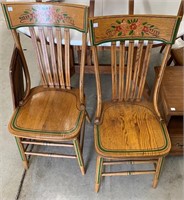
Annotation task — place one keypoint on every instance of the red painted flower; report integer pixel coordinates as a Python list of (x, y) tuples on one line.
[(118, 28), (133, 26), (145, 29)]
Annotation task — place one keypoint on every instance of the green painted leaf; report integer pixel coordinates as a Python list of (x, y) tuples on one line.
[(142, 33), (129, 22), (144, 23), (151, 26), (118, 21), (131, 32), (120, 33), (26, 12), (113, 26)]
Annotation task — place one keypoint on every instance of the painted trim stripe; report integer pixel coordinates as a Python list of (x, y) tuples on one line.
[(16, 127)]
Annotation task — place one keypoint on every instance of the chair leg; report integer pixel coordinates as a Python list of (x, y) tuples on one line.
[(99, 166), (79, 155), (158, 171), (82, 136), (22, 153)]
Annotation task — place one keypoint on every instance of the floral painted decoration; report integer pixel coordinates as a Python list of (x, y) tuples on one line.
[(45, 15), (132, 27)]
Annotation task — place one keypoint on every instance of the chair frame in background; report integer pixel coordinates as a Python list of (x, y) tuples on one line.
[(55, 76)]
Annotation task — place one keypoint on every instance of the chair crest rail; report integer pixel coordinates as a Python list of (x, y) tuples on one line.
[(147, 27), (46, 14)]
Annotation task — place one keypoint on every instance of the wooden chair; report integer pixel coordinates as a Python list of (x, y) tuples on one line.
[(53, 113), (129, 129)]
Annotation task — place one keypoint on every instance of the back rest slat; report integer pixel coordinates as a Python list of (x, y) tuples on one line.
[(53, 56), (39, 55), (45, 56), (121, 70), (60, 57), (129, 70), (114, 71), (144, 70), (67, 57), (137, 65)]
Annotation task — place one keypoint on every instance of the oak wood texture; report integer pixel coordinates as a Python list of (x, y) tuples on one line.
[(171, 97), (54, 112), (129, 128)]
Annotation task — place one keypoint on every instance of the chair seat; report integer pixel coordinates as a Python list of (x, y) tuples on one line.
[(48, 113), (130, 130)]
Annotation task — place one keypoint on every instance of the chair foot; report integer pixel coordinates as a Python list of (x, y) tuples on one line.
[(25, 164), (155, 183), (83, 170), (97, 186)]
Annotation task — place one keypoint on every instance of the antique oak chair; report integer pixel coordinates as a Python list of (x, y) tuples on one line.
[(129, 129), (53, 113)]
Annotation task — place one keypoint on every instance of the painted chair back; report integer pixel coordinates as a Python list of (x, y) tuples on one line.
[(131, 38)]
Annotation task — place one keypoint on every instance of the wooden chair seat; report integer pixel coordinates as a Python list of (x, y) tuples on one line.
[(129, 130), (63, 121)]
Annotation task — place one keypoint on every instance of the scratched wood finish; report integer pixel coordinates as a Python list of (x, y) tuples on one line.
[(54, 111), (128, 127)]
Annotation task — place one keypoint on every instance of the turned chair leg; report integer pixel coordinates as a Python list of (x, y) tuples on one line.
[(22, 153), (99, 167), (158, 171), (79, 155)]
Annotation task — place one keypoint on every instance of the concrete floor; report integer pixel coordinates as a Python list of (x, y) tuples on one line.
[(60, 179)]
